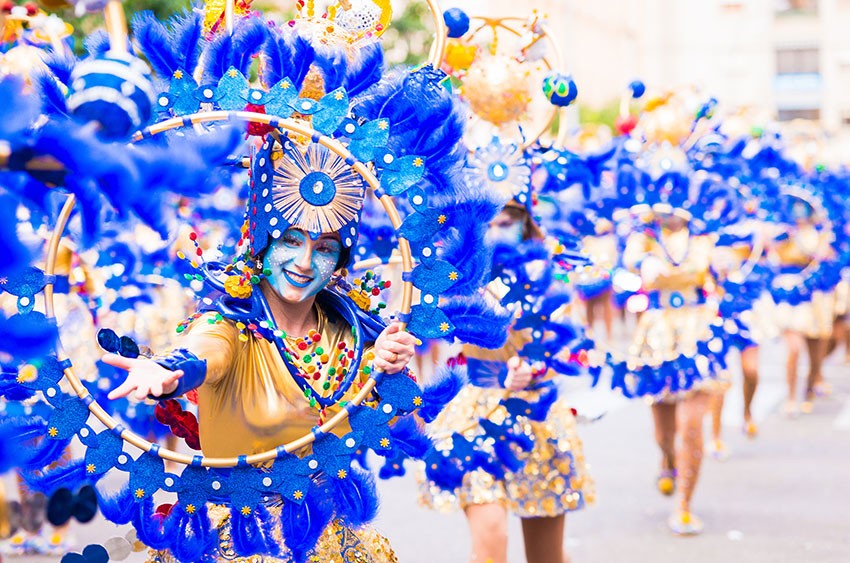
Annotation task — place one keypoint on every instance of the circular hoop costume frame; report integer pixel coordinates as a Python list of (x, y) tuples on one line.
[(224, 462)]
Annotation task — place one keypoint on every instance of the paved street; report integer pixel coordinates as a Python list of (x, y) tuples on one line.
[(783, 497)]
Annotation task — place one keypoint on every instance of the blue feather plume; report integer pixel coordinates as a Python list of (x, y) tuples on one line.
[(153, 41), (333, 64), (478, 322), (302, 524), (366, 70), (118, 507), (355, 498), (409, 437), (96, 44), (248, 39), (447, 382), (186, 34), (217, 58)]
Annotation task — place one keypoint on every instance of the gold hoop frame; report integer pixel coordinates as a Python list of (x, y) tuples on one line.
[(279, 124)]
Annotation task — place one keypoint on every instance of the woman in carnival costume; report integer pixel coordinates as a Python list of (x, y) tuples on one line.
[(285, 414), (507, 442), (676, 356)]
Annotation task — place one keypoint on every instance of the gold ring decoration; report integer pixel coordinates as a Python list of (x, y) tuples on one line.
[(514, 26), (282, 125)]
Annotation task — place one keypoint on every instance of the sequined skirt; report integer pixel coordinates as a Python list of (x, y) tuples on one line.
[(664, 335), (337, 544), (553, 479), (813, 318)]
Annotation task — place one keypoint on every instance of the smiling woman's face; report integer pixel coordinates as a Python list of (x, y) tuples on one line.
[(301, 267)]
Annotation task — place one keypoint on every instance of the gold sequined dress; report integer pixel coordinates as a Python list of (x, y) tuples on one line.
[(681, 310), (796, 256), (248, 404), (554, 478)]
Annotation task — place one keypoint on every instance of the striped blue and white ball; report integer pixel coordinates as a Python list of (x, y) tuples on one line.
[(113, 90)]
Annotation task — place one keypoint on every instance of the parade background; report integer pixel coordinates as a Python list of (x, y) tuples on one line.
[(779, 498)]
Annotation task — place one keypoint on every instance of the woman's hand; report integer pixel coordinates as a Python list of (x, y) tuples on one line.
[(144, 376), (519, 374), (393, 349)]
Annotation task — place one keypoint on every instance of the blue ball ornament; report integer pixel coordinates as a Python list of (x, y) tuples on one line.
[(560, 89), (113, 90), (457, 21), (638, 88)]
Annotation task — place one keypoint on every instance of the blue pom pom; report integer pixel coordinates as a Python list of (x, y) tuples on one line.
[(638, 88), (457, 21)]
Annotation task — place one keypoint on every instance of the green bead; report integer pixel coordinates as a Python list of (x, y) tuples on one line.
[(199, 277), (181, 328), (312, 402), (255, 279), (326, 385), (319, 351), (331, 371), (267, 272), (307, 357)]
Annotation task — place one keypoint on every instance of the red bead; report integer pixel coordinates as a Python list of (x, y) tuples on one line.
[(376, 291), (316, 376), (317, 337), (193, 236), (341, 345), (387, 283), (199, 252), (252, 326), (254, 198), (351, 354), (302, 345)]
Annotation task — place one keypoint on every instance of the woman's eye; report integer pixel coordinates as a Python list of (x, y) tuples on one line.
[(328, 249), (291, 240)]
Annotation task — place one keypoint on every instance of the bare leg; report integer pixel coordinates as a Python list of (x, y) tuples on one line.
[(664, 415), (690, 417), (488, 528), (716, 414), (590, 312), (749, 367), (544, 540), (792, 342), (816, 348), (608, 313)]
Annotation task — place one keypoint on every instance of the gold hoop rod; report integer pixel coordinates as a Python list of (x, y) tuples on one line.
[(438, 49)]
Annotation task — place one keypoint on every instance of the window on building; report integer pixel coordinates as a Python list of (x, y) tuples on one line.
[(791, 6), (798, 60), (789, 114)]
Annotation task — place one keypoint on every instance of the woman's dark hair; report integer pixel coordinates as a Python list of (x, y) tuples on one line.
[(530, 230)]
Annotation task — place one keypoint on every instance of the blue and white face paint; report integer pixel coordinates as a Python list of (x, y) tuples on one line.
[(300, 266)]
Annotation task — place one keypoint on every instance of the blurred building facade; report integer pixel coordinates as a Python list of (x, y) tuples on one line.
[(788, 57)]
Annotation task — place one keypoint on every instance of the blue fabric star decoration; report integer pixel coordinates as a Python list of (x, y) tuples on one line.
[(291, 477), (374, 424), (401, 391), (334, 454)]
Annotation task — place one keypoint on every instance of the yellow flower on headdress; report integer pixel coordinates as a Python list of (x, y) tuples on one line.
[(238, 287)]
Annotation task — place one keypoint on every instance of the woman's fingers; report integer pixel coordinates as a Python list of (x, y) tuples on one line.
[(118, 361), (397, 347), (124, 389)]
